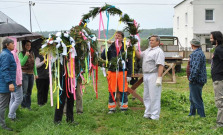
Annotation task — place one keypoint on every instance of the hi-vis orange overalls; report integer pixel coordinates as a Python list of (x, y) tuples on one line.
[(115, 80)]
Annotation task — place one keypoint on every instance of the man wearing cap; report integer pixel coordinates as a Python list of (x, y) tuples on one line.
[(197, 76), (152, 66)]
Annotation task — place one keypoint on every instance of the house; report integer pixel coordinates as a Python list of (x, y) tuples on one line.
[(196, 19), (4, 19)]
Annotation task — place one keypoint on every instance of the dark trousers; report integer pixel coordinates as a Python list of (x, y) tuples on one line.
[(27, 85), (4, 102), (196, 101), (121, 96), (42, 90), (70, 106)]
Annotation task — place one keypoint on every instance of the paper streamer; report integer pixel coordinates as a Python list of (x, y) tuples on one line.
[(50, 76)]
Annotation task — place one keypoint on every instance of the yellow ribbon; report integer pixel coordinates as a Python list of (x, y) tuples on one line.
[(69, 46), (58, 98), (58, 79), (47, 62), (71, 66), (124, 43), (55, 79), (133, 60), (85, 25), (116, 30), (106, 49), (86, 71)]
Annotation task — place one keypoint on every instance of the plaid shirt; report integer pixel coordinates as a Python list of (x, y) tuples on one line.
[(198, 72)]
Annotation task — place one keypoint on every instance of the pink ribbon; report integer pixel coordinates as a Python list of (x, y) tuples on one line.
[(93, 81), (74, 80), (117, 47), (136, 25), (50, 76), (83, 35), (101, 22)]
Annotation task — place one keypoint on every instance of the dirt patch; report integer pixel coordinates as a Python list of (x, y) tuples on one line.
[(100, 129)]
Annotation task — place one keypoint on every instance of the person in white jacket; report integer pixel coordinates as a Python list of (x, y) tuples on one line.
[(152, 67)]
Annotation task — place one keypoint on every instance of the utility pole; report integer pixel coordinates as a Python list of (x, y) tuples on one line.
[(30, 4)]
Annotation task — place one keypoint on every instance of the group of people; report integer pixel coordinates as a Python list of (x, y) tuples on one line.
[(153, 61), (197, 76), (17, 74)]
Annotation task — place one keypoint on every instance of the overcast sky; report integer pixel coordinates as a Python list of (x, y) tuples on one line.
[(63, 14)]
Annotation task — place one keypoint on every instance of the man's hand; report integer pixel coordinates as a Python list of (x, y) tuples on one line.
[(11, 88), (159, 81), (129, 79)]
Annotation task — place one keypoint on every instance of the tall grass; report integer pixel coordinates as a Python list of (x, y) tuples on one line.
[(95, 120)]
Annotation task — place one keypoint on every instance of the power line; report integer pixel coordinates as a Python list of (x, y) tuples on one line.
[(14, 6), (36, 19), (58, 1), (86, 3), (14, 1)]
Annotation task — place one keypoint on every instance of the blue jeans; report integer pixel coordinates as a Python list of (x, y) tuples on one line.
[(15, 101), (27, 84), (196, 101)]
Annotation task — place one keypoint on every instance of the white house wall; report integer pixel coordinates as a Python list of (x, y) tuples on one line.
[(202, 26), (185, 30), (197, 26)]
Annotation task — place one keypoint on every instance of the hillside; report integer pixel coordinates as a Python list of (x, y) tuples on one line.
[(144, 33)]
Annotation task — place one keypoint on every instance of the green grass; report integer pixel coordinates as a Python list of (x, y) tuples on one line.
[(95, 120)]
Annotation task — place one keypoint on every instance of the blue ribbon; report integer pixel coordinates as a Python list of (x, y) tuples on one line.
[(123, 69), (107, 14)]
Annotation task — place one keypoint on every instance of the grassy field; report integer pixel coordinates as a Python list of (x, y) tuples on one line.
[(95, 120)]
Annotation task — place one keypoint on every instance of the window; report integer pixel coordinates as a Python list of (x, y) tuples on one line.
[(186, 19), (178, 19), (209, 15)]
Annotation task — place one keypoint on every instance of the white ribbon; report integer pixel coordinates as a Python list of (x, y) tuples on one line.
[(44, 45), (73, 52), (123, 64), (64, 49)]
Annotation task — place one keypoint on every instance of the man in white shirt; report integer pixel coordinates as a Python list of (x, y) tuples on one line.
[(152, 67)]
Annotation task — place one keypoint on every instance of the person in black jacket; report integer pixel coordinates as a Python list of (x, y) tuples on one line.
[(115, 80), (216, 38), (42, 83)]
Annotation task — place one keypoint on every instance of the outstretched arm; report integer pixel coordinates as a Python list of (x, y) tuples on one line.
[(138, 55)]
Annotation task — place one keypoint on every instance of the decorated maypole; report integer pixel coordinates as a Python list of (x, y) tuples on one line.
[(70, 54), (74, 54)]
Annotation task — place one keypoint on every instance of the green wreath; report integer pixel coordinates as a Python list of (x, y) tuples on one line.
[(131, 28)]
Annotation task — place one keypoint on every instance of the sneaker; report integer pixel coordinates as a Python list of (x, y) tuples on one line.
[(111, 111), (13, 119), (79, 113), (7, 128), (73, 123), (57, 122), (147, 117)]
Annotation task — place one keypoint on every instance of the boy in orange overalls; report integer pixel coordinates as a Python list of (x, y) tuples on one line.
[(115, 80)]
